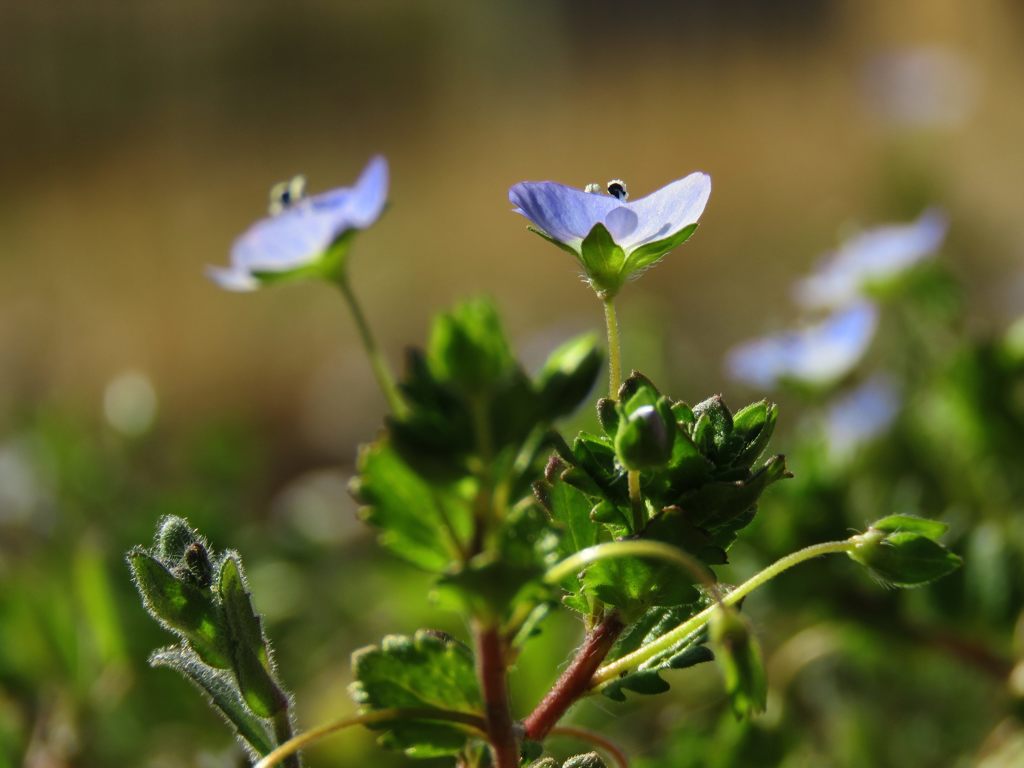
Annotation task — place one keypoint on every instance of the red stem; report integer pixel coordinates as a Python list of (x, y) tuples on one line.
[(492, 673), (575, 681)]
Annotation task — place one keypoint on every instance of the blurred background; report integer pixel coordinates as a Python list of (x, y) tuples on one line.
[(138, 139)]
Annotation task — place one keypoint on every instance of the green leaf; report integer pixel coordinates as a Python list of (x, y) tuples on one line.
[(647, 255), (417, 521), (603, 260), (427, 670), (904, 558), (468, 348), (182, 607), (222, 694), (570, 509), (931, 529), (568, 375), (633, 584), (250, 655), (739, 657)]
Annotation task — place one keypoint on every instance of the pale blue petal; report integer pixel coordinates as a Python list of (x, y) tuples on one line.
[(562, 213), (300, 235), (669, 210), (232, 279), (369, 195), (861, 415), (871, 257), (292, 239), (818, 355), (621, 223)]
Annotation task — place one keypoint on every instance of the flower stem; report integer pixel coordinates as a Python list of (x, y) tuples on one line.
[(614, 348), (492, 672), (636, 500), (599, 741), (385, 380), (290, 747), (575, 681), (646, 652), (283, 734)]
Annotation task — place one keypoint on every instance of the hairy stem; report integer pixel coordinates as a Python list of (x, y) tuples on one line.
[(283, 734), (614, 348), (630, 661), (636, 500), (595, 739), (385, 380), (575, 681), (290, 747), (492, 672)]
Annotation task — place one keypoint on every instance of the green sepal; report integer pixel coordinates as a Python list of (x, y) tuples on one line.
[(753, 426), (222, 694), (739, 657), (250, 655), (650, 254), (603, 260), (550, 239), (173, 537), (608, 416), (568, 375), (901, 551), (646, 434), (182, 607), (427, 670), (330, 266)]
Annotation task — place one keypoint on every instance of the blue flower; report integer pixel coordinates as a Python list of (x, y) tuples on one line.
[(816, 356), (297, 240), (872, 258), (612, 238), (859, 416)]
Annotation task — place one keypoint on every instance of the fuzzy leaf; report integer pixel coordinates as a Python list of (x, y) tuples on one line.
[(416, 520), (251, 658), (184, 608), (223, 695), (427, 670)]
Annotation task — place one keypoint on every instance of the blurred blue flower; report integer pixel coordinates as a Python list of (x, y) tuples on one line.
[(294, 240), (818, 355), (871, 258), (611, 237), (856, 417)]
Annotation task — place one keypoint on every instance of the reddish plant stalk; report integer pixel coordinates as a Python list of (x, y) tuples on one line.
[(492, 672), (575, 681)]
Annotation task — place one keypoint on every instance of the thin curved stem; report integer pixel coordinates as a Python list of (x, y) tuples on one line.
[(290, 747), (612, 549), (385, 380), (614, 348), (596, 739), (630, 661)]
